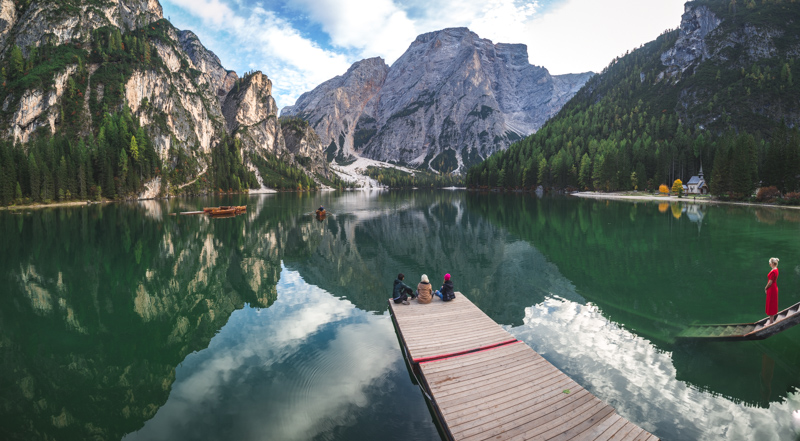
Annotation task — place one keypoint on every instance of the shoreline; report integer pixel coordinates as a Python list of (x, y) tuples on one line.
[(687, 199), (53, 205)]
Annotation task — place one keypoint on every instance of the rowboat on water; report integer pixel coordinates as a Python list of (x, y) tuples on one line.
[(222, 212), (225, 209)]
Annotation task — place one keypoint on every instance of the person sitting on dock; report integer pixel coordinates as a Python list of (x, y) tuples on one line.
[(771, 290), (402, 291), (424, 290), (446, 292)]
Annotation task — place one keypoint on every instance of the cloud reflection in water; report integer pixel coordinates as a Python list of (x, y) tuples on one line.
[(304, 367), (631, 374)]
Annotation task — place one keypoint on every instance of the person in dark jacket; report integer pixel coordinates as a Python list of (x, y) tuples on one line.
[(402, 291), (446, 292)]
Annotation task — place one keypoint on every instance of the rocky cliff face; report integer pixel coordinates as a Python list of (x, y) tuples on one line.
[(58, 22), (336, 107), (691, 46), (760, 43), (186, 100), (252, 115), (221, 80), (451, 100), (304, 143)]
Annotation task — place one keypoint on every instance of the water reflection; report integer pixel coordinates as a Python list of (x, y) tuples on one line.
[(102, 303), (361, 248), (309, 365), (122, 318), (641, 381), (654, 272)]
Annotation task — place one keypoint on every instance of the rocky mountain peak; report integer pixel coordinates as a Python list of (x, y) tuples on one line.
[(449, 101), (696, 23), (252, 115), (513, 54), (442, 34), (222, 80), (57, 22), (137, 13)]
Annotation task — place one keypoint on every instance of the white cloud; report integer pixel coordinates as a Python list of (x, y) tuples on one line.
[(584, 35), (295, 63), (573, 36), (374, 27)]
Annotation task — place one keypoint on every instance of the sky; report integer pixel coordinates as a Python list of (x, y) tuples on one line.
[(299, 44)]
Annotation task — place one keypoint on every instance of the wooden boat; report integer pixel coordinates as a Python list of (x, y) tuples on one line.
[(238, 209), (222, 211), (759, 330)]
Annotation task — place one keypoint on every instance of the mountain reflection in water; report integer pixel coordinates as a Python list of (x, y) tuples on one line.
[(308, 365), (122, 320)]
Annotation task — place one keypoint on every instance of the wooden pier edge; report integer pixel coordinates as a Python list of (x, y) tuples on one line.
[(518, 417), (426, 391)]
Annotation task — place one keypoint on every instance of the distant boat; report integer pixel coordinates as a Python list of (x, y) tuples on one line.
[(759, 330), (225, 210)]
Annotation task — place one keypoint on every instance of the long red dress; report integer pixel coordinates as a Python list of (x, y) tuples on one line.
[(772, 293)]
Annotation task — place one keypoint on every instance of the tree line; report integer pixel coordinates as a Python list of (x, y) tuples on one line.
[(633, 128), (105, 152), (394, 178)]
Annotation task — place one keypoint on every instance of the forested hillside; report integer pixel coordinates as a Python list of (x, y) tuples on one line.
[(115, 107), (719, 92)]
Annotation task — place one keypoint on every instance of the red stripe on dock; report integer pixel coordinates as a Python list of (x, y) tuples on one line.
[(462, 353)]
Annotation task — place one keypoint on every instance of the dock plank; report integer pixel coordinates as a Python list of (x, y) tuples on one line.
[(485, 384)]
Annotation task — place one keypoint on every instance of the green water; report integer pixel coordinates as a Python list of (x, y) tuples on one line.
[(121, 321)]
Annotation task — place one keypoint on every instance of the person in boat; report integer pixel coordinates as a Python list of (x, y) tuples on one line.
[(402, 291), (771, 290), (446, 292), (424, 290), (321, 211)]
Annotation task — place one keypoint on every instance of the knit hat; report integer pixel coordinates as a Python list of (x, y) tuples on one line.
[(447, 277), (425, 278)]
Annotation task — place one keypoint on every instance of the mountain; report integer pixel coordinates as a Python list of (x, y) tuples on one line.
[(717, 92), (451, 100), (105, 99)]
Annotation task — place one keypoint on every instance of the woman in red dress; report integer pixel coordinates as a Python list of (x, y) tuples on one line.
[(772, 291)]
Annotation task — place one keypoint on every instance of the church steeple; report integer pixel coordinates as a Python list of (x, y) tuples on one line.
[(701, 171)]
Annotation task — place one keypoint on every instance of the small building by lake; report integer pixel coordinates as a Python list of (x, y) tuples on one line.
[(697, 184)]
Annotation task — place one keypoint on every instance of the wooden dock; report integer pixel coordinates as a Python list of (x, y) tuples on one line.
[(483, 383), (788, 318)]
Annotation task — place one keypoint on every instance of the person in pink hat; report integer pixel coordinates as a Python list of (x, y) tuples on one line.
[(446, 292)]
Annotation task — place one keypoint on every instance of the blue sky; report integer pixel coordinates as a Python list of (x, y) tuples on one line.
[(301, 43)]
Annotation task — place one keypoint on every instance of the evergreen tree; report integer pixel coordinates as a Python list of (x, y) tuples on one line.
[(33, 170), (134, 149), (16, 63)]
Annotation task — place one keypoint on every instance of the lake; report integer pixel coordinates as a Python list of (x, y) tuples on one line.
[(120, 321)]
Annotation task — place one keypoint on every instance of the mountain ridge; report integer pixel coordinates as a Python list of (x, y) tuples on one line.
[(717, 92), (450, 100), (70, 67)]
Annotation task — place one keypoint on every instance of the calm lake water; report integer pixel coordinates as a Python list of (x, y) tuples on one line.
[(122, 322)]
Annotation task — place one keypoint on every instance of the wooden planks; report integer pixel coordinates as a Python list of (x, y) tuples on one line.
[(759, 330), (445, 328), (484, 384)]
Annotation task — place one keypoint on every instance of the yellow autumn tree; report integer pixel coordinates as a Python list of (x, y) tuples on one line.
[(677, 187), (663, 189)]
